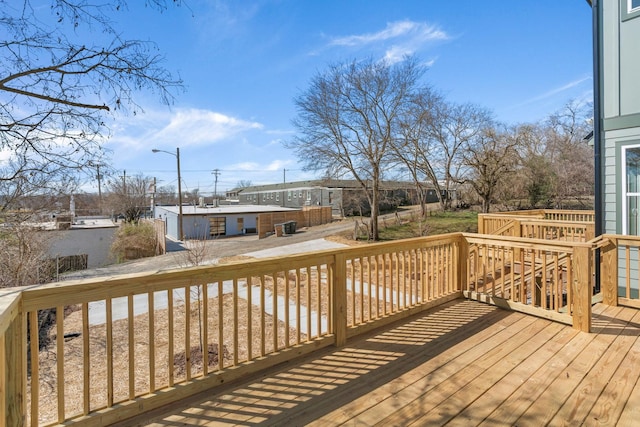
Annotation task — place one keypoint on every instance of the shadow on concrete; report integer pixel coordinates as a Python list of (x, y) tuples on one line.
[(174, 246)]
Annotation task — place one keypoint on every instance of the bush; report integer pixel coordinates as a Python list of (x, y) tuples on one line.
[(134, 241)]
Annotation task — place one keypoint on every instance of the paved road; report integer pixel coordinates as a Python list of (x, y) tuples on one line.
[(305, 240)]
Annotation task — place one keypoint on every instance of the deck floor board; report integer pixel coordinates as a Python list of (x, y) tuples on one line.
[(463, 363)]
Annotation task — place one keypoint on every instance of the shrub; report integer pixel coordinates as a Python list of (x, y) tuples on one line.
[(134, 241)]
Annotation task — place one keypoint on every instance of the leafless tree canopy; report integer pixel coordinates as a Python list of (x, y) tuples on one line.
[(491, 160), (128, 196), (62, 70), (348, 117)]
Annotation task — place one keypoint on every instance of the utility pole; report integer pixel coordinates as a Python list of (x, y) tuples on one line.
[(216, 173), (284, 186), (124, 182), (99, 176)]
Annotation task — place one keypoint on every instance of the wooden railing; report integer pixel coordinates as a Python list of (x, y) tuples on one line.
[(495, 223), (100, 351), (551, 279), (620, 269), (94, 352)]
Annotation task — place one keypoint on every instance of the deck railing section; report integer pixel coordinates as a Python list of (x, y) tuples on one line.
[(540, 224), (540, 277), (388, 278), (122, 346), (620, 269), (105, 350)]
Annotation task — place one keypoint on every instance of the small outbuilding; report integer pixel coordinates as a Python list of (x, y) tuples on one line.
[(207, 222)]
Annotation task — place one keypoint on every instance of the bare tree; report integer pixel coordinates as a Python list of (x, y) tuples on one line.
[(166, 195), (348, 118), (56, 89), (243, 183), (413, 146), (128, 196), (572, 158), (492, 159), (454, 128), (24, 256)]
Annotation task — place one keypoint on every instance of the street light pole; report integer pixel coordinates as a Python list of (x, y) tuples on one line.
[(177, 155), (180, 234)]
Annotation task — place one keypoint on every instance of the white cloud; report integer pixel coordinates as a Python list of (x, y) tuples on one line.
[(194, 126), (409, 30), (557, 90), (183, 127)]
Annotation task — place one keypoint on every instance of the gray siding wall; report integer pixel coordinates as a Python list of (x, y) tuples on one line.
[(613, 180)]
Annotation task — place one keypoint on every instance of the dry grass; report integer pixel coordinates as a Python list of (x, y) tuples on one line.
[(234, 329), (241, 340)]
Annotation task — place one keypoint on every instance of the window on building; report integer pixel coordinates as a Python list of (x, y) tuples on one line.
[(240, 225), (295, 195), (631, 196), (217, 226), (308, 196), (277, 197), (330, 197), (289, 196), (629, 9)]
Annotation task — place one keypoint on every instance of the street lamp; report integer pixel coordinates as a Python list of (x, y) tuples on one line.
[(177, 155)]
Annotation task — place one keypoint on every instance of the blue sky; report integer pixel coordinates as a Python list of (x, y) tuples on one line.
[(243, 62)]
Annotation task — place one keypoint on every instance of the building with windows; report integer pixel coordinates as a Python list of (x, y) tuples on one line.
[(617, 107), (206, 222), (345, 197)]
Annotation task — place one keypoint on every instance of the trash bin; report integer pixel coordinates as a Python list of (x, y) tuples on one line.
[(289, 227)]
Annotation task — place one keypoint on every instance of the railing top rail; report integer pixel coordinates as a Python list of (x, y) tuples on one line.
[(553, 222), (533, 213), (94, 289), (10, 300), (622, 239), (525, 243)]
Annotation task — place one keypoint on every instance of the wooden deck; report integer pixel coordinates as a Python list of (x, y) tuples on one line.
[(464, 363)]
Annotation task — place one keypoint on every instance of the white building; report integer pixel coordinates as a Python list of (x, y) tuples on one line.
[(209, 221)]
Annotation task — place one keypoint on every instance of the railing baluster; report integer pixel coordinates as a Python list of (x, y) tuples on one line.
[(131, 356), (34, 333), (152, 346), (205, 327), (60, 361), (627, 257), (221, 324), (351, 271), (309, 282), (298, 311), (274, 302), (109, 350), (319, 314), (170, 321), (249, 319), (86, 361), (187, 330), (235, 324), (287, 304), (362, 294)]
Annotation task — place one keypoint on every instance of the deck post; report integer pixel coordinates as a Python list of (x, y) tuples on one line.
[(581, 266), (14, 371), (461, 268), (609, 272), (339, 293)]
